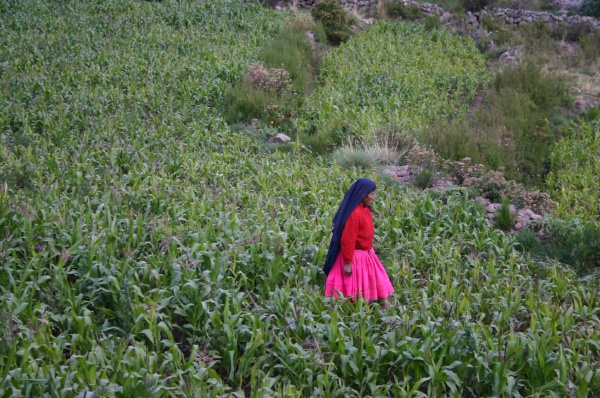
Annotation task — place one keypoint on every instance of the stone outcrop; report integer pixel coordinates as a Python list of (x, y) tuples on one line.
[(506, 15), (279, 139), (522, 216), (517, 17)]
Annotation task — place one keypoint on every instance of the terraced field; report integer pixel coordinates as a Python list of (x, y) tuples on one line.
[(146, 250)]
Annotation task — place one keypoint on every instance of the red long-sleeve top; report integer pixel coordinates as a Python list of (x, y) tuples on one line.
[(358, 233)]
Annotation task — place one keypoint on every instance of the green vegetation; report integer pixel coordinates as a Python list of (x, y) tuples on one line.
[(591, 8), (148, 250), (511, 127), (378, 78), (334, 19), (503, 218), (395, 9), (572, 242), (274, 86), (575, 175)]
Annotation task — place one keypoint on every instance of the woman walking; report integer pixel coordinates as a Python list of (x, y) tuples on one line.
[(352, 267)]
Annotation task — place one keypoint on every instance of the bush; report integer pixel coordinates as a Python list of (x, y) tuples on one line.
[(366, 157), (432, 22), (570, 242), (260, 94), (397, 10), (511, 126), (590, 8), (292, 51), (503, 218), (347, 158), (334, 19), (493, 186), (273, 87), (424, 177)]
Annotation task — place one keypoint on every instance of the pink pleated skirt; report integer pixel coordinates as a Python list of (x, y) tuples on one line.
[(368, 279)]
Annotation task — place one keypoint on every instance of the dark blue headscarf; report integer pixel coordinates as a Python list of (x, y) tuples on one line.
[(355, 195)]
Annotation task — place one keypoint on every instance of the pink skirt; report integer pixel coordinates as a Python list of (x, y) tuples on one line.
[(368, 279)]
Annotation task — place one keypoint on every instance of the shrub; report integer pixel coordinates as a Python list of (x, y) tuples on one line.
[(432, 22), (366, 157), (347, 158), (590, 8), (261, 92), (571, 242), (527, 241), (397, 10), (495, 187), (291, 51), (511, 126), (424, 177), (273, 87), (425, 162), (503, 218), (333, 16)]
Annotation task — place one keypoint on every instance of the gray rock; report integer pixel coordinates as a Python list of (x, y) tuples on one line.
[(279, 139)]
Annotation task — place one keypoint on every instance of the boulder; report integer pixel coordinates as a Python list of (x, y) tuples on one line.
[(279, 139), (579, 106)]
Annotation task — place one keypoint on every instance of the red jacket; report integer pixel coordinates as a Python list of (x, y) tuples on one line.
[(358, 233)]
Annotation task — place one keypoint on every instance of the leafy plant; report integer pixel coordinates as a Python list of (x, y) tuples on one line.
[(503, 218), (334, 19), (590, 8)]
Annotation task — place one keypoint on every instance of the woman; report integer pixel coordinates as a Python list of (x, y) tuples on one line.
[(352, 268)]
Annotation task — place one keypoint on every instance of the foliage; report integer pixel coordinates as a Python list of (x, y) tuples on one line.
[(575, 170), (571, 242), (590, 8), (432, 22), (274, 86), (364, 158), (378, 78), (511, 128), (396, 9), (504, 218), (161, 254), (475, 5), (495, 187), (334, 19), (424, 177)]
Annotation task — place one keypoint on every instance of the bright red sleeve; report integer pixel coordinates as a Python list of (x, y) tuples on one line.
[(349, 235)]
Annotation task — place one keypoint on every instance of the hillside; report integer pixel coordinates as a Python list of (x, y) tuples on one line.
[(149, 250)]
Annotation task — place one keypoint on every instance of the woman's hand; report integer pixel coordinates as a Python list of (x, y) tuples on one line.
[(347, 269)]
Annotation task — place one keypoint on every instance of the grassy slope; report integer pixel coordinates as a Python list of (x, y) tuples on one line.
[(147, 251)]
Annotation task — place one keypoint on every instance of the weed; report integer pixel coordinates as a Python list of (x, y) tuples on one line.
[(424, 177), (504, 219)]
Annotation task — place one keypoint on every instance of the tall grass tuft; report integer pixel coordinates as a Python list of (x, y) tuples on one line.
[(504, 219)]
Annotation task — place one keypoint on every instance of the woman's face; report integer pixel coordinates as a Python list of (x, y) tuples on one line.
[(368, 199)]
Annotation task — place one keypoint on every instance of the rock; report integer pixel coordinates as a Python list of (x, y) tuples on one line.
[(529, 212), (404, 171), (579, 106), (279, 139), (518, 226), (536, 217)]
